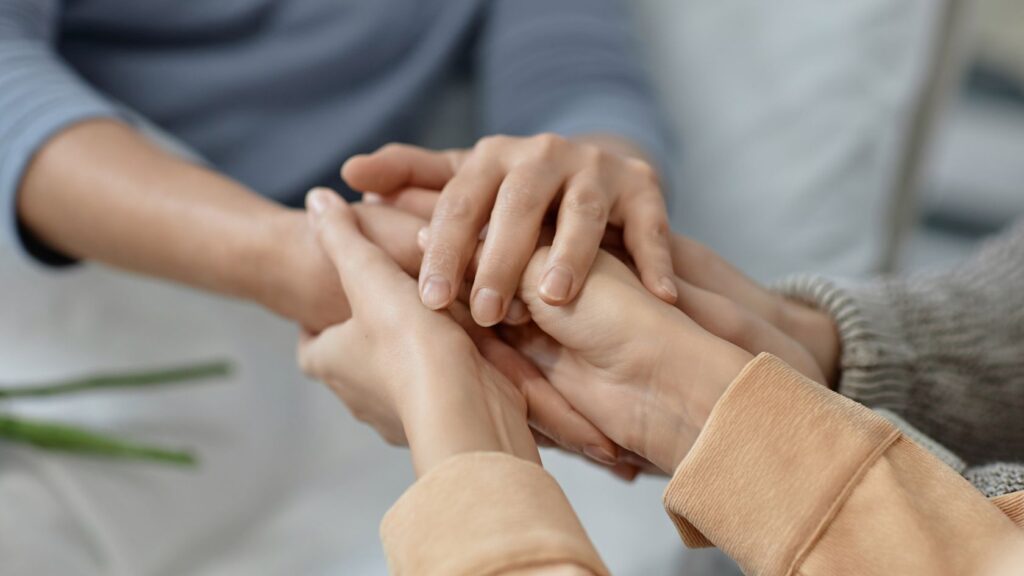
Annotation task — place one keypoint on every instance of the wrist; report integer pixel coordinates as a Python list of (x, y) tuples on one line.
[(457, 413), (816, 331), (695, 380), (285, 270)]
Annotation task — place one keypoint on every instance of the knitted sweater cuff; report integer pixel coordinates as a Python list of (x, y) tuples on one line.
[(877, 359)]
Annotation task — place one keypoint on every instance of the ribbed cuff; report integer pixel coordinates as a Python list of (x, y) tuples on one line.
[(876, 357), (775, 462), (484, 513)]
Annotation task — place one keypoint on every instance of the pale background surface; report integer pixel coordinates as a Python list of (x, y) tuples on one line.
[(791, 116)]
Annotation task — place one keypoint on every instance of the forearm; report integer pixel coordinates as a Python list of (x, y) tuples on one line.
[(101, 191)]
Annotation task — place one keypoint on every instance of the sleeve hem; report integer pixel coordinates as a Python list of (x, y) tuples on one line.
[(777, 458), (876, 359), (482, 513)]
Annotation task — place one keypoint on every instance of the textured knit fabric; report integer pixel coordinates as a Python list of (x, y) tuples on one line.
[(278, 93), (943, 351)]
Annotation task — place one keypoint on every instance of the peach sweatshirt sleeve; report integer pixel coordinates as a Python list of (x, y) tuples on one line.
[(787, 477), (486, 513)]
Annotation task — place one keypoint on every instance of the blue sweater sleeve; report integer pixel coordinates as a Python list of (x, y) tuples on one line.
[(566, 66), (39, 96)]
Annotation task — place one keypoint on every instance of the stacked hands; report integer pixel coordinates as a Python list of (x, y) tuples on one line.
[(608, 337)]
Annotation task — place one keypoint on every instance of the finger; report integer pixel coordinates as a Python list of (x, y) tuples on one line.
[(704, 268), (646, 236), (364, 269), (542, 440), (419, 202), (582, 218), (523, 199), (461, 212), (518, 313), (394, 231), (548, 411), (625, 472), (734, 323), (397, 166)]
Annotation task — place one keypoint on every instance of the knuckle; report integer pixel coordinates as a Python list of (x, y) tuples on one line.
[(587, 204), (455, 207), (643, 169), (491, 144), (549, 145), (518, 200), (594, 155), (392, 147)]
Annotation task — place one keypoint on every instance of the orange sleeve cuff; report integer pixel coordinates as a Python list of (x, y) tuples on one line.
[(485, 513), (772, 466)]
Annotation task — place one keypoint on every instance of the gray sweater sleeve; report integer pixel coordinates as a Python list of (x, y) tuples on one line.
[(944, 351), (571, 67), (39, 96)]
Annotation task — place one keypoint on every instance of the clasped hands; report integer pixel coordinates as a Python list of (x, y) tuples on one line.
[(621, 368)]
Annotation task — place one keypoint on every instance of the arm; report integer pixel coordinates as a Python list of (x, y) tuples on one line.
[(75, 179), (945, 350), (788, 477), (99, 190), (465, 423)]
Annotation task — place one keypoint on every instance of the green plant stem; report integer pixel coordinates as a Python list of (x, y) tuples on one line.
[(65, 438), (195, 372)]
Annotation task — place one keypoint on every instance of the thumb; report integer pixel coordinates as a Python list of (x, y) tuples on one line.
[(364, 269)]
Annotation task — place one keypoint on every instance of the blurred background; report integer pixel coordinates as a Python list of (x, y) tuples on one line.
[(842, 137)]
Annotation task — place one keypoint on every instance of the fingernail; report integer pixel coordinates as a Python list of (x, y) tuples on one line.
[(422, 237), (601, 454), (487, 306), (517, 312), (669, 287), (556, 284), (316, 200), (436, 291), (372, 198)]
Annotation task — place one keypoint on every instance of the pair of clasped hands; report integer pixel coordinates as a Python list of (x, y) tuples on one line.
[(604, 335)]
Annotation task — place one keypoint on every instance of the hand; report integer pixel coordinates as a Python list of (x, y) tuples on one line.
[(638, 368), (508, 184), (733, 306), (412, 373), (298, 281)]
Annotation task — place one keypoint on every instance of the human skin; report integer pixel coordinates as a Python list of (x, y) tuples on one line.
[(510, 185), (101, 191), (413, 374), (634, 365), (737, 307), (641, 370)]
